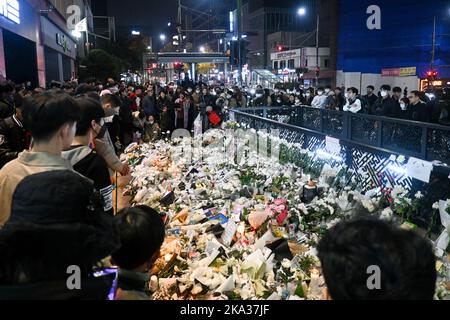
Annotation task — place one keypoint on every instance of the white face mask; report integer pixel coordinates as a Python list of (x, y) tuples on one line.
[(279, 101), (259, 95), (384, 93), (229, 97), (347, 95), (297, 101), (320, 93), (198, 91), (308, 94), (327, 90), (205, 92), (403, 105), (189, 90)]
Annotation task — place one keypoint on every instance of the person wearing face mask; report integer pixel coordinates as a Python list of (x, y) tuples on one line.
[(291, 101), (370, 99), (320, 99), (354, 103), (277, 100), (152, 131), (6, 99), (385, 105), (83, 158), (232, 102), (405, 111), (105, 141), (309, 96), (52, 120), (260, 99)]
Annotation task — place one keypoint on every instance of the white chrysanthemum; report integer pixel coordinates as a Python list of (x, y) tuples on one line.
[(286, 264), (397, 192), (387, 214), (419, 195)]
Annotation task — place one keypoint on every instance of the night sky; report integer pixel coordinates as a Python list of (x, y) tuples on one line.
[(151, 16)]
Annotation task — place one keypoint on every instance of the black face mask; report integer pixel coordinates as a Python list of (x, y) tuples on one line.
[(101, 133)]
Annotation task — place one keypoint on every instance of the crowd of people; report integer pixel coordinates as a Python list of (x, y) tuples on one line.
[(58, 151), (388, 102)]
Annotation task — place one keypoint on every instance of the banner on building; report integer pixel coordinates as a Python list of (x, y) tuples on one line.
[(399, 72)]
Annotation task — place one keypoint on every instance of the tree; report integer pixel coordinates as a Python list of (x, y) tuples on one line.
[(100, 65), (204, 68)]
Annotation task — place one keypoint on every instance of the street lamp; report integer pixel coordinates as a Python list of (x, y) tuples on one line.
[(162, 37), (302, 12), (202, 49)]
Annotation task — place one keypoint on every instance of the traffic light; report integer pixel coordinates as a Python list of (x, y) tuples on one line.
[(178, 66), (432, 75)]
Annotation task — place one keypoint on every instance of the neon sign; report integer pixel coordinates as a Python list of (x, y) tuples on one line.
[(10, 10)]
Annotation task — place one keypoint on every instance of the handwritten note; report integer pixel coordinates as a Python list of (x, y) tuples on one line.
[(419, 169)]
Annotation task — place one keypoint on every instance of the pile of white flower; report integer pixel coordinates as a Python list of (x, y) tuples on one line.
[(224, 215)]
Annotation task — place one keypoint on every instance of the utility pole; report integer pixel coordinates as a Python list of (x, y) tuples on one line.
[(239, 39), (180, 22), (317, 50), (433, 50)]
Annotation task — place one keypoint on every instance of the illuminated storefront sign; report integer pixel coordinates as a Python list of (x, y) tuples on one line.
[(10, 10), (399, 72), (61, 40)]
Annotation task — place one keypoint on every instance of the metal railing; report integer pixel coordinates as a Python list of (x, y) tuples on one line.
[(425, 141)]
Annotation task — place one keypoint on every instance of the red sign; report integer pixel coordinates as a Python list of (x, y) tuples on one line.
[(390, 72)]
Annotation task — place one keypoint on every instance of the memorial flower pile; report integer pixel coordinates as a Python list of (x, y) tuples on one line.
[(246, 226)]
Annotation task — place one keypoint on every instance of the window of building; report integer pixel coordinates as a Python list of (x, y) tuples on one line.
[(306, 62), (275, 65), (327, 63), (283, 64), (291, 64)]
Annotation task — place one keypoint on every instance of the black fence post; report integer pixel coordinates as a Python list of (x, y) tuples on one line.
[(380, 133), (321, 120), (423, 143)]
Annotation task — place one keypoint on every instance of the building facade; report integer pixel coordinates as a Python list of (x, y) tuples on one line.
[(266, 18), (300, 65), (391, 42), (36, 44)]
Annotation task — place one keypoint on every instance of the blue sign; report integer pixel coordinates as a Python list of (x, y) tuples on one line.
[(10, 10), (384, 34)]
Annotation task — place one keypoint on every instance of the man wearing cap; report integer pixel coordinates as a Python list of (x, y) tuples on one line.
[(51, 118)]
